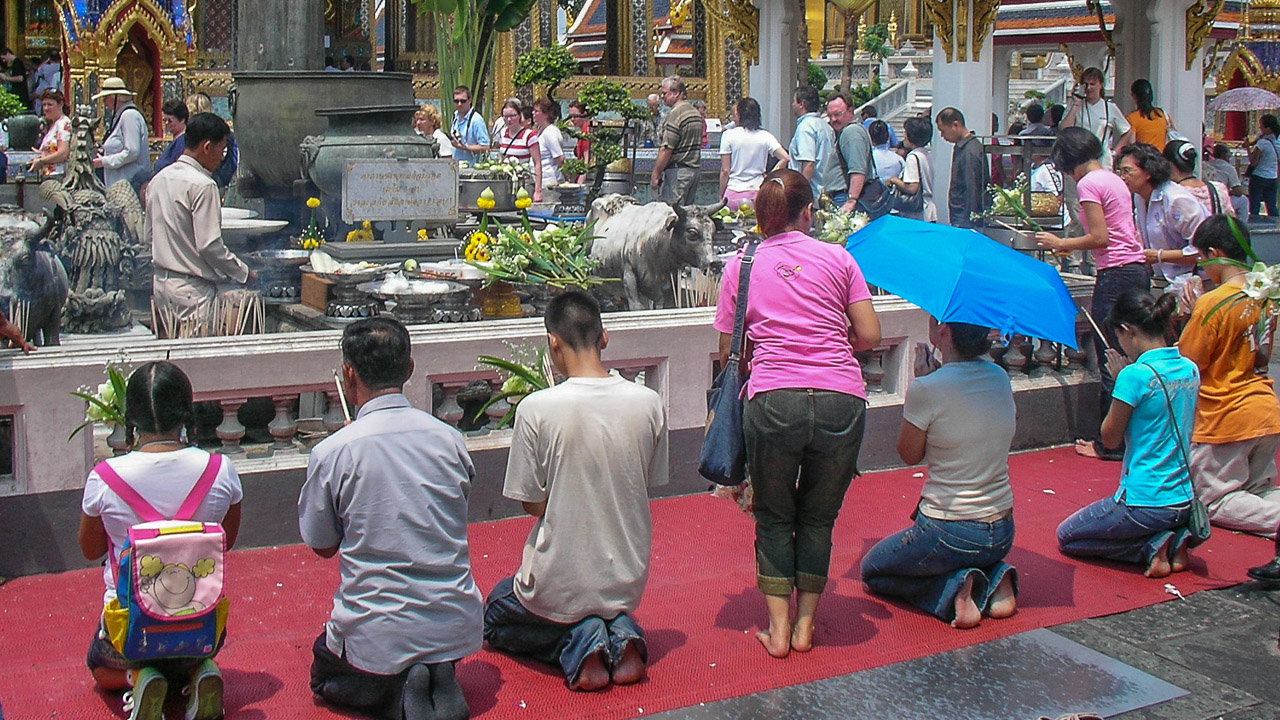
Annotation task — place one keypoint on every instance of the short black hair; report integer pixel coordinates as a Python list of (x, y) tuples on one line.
[(919, 131), (378, 348), (1149, 160), (870, 111), (950, 115), (1181, 154), (1223, 233), (879, 132), (970, 340), (1035, 113), (807, 95), (1271, 123), (1074, 147), (203, 127), (574, 317), (157, 399), (176, 108), (1056, 112), (1221, 151)]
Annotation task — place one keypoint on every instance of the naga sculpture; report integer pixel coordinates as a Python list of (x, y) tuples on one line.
[(99, 237)]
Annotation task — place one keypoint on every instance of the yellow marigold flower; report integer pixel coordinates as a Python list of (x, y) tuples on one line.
[(422, 235), (313, 202)]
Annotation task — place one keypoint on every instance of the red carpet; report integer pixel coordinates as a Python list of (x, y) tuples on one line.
[(700, 612)]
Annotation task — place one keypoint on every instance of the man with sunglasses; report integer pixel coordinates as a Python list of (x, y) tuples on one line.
[(468, 132)]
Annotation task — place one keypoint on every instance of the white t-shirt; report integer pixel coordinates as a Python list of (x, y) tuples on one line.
[(918, 168), (888, 163), (966, 409), (590, 448), (551, 142), (748, 152), (1106, 122), (164, 480)]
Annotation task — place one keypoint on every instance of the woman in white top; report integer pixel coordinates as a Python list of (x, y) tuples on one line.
[(426, 122), (550, 140), (744, 155), (1166, 213), (917, 171), (162, 469), (55, 146)]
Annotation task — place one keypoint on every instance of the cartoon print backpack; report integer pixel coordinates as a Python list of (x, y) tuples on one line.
[(169, 598)]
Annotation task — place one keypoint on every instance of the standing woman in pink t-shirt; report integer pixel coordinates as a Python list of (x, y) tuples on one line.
[(1106, 212), (808, 311)]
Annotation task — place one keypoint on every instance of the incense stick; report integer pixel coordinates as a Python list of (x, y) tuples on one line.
[(1096, 329), (342, 396)]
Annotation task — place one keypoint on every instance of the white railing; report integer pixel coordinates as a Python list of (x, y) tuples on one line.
[(892, 100)]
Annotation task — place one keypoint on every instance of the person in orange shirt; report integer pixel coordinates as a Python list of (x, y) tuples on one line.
[(1150, 124), (1237, 427)]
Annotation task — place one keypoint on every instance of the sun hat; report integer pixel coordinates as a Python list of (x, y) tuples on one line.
[(113, 86)]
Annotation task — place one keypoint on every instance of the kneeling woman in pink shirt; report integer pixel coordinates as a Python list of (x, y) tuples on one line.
[(808, 311)]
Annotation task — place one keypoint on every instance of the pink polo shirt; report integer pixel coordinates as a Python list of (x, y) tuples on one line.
[(796, 318), (1105, 188)]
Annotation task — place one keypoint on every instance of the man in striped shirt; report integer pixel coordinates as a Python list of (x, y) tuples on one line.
[(675, 171)]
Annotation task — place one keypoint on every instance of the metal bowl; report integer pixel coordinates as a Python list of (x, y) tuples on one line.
[(420, 291), (234, 213), (363, 276), (281, 258)]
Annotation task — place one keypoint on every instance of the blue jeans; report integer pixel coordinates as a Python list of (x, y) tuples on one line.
[(1110, 284), (927, 563), (1262, 191), (509, 627), (1110, 529), (802, 453)]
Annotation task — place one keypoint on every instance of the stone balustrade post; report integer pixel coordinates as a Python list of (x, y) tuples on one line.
[(334, 419), (230, 431), (284, 426)]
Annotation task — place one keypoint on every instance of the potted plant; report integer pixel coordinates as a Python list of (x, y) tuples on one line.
[(602, 96)]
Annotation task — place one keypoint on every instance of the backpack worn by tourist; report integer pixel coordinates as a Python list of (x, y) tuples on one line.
[(169, 600)]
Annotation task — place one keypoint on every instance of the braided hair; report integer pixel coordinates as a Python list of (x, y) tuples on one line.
[(157, 400)]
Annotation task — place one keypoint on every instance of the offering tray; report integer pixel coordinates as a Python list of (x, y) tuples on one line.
[(423, 301), (417, 290), (234, 213), (352, 278)]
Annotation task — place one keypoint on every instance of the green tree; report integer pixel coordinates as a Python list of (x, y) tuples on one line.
[(547, 66), (817, 76)]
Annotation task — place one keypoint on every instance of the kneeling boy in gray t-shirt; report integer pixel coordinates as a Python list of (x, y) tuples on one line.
[(582, 459)]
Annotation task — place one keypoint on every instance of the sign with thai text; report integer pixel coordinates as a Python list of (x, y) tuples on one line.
[(391, 189)]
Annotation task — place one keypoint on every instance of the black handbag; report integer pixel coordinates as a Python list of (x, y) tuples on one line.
[(723, 459), (909, 203), (1198, 523)]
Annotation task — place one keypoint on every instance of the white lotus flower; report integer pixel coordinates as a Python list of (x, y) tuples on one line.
[(1259, 284)]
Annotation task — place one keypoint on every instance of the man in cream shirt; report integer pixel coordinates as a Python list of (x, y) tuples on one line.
[(184, 215)]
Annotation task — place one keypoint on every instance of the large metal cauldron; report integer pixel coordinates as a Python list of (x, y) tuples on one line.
[(23, 131), (275, 110), (378, 131)]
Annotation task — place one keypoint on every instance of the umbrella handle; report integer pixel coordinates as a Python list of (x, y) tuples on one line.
[(1096, 329)]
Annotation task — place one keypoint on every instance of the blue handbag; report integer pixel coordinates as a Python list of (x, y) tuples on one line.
[(724, 454)]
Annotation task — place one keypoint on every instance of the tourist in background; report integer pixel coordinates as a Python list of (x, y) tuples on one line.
[(162, 468), (124, 152), (13, 71), (55, 145), (580, 118), (805, 410), (1150, 124), (1218, 167), (550, 142), (701, 107), (744, 155), (500, 122), (520, 143), (917, 168), (1106, 214), (842, 170), (1212, 195), (1091, 111), (1151, 413), (174, 114), (679, 142), (869, 115), (199, 102), (1036, 126), (48, 74), (468, 133), (427, 123), (969, 173), (1263, 161), (1166, 213), (1237, 425), (888, 163), (960, 421)]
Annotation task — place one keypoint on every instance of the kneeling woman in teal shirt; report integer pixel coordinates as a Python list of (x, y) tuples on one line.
[(1152, 411)]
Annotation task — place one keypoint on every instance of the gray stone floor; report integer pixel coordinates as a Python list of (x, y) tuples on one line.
[(1220, 647)]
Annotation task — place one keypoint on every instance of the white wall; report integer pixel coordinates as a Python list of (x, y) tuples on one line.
[(771, 82)]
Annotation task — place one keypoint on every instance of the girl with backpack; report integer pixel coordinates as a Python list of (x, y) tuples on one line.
[(164, 476)]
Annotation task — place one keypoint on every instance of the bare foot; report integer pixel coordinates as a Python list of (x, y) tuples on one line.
[(1003, 603), (802, 635), (967, 613), (1159, 565), (593, 675), (1181, 560), (630, 668), (1086, 448), (777, 643)]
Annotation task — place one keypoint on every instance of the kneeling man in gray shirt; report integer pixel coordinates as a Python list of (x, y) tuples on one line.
[(388, 495), (583, 457)]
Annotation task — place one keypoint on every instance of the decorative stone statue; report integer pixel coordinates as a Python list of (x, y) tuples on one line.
[(33, 283), (99, 237)]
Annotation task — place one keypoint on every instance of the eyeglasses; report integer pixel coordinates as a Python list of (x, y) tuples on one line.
[(1126, 170), (575, 117), (460, 101)]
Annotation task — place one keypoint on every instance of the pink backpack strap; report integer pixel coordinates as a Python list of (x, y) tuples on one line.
[(127, 493), (200, 489)]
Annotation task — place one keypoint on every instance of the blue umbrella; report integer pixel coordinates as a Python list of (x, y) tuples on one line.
[(960, 275)]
